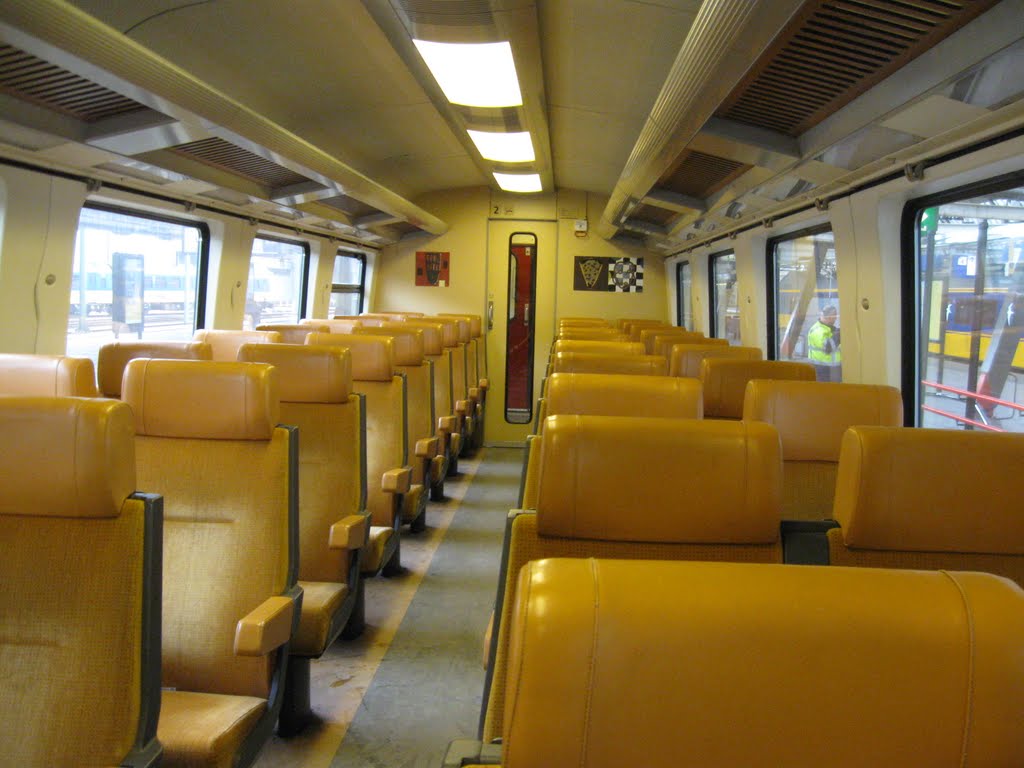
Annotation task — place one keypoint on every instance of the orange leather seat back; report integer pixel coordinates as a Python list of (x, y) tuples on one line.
[(811, 418), (114, 358), (47, 375), (295, 333), (663, 343), (685, 359), (587, 362), (80, 658), (725, 381), (938, 676), (600, 347), (224, 344)]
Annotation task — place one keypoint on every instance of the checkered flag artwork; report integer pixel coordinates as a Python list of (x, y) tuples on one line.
[(626, 275)]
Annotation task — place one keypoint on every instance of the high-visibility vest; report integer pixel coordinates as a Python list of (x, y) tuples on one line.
[(820, 347)]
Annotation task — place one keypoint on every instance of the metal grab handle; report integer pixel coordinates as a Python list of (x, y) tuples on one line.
[(526, 315), (490, 315)]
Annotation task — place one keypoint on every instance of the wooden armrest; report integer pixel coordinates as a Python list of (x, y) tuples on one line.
[(267, 627), (447, 423), (397, 480), (427, 447), (485, 384), (461, 406), (348, 533), (474, 393)]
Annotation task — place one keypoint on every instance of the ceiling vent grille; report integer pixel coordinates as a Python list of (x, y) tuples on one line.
[(701, 175), (354, 208), (834, 51), (31, 79), (652, 214), (226, 156), (450, 13)]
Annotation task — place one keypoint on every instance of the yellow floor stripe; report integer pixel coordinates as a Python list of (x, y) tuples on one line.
[(342, 675)]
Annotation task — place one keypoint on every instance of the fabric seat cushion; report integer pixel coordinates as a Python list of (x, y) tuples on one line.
[(205, 730), (320, 601)]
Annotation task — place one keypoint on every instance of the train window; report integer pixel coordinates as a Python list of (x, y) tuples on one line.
[(803, 321), (144, 277), (684, 298), (348, 284), (963, 251), (724, 310), (278, 280)]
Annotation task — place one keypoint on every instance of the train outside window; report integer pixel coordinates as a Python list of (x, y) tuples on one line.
[(684, 295), (725, 311), (142, 279), (806, 289), (969, 247), (277, 279)]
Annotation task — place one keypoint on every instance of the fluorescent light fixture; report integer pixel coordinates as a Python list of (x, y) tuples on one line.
[(473, 74), (504, 147), (519, 182)]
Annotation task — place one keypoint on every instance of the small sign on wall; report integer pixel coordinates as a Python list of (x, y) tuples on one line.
[(608, 273), (432, 268)]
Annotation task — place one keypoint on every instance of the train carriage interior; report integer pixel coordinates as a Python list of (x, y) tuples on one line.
[(472, 245)]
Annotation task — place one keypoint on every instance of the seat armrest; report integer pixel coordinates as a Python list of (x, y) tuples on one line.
[(348, 533), (471, 752), (461, 406), (474, 393), (427, 447), (447, 424), (397, 480), (265, 628), (485, 384)]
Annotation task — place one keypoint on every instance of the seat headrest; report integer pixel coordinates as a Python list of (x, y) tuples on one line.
[(663, 344), (725, 381), (432, 345), (591, 334), (475, 322), (586, 362), (408, 342), (612, 394), (657, 480), (593, 322), (648, 336), (812, 416), (49, 375), (602, 347), (202, 399), (373, 357), (294, 333), (449, 328), (462, 327), (685, 359), (115, 356), (930, 490), (334, 326), (305, 374), (65, 456), (931, 666), (225, 344)]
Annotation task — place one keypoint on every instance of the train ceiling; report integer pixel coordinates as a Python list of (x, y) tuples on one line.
[(692, 118)]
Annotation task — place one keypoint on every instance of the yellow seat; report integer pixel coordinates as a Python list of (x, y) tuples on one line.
[(762, 666), (685, 359), (634, 328), (600, 394), (206, 440), (389, 478), (423, 443), (80, 604), (224, 344), (594, 322), (636, 488), (929, 498), (811, 418), (334, 325), (47, 376), (452, 421), (648, 337), (113, 359), (663, 343), (725, 381), (590, 334), (295, 333), (593, 362), (477, 380), (317, 397)]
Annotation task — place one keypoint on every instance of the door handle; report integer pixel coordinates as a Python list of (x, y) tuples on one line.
[(526, 315), (490, 315)]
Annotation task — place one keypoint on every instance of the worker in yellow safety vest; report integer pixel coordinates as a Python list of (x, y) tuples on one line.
[(823, 344)]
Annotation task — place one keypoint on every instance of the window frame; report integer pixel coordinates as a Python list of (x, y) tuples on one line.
[(771, 280), (203, 265), (680, 317), (910, 301), (350, 288), (713, 292), (304, 282)]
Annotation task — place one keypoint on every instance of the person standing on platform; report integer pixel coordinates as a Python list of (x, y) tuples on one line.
[(823, 345)]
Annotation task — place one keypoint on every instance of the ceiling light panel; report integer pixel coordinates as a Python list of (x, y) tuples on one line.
[(473, 74), (519, 182), (504, 147)]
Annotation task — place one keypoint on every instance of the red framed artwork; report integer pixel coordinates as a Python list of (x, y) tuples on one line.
[(432, 268)]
